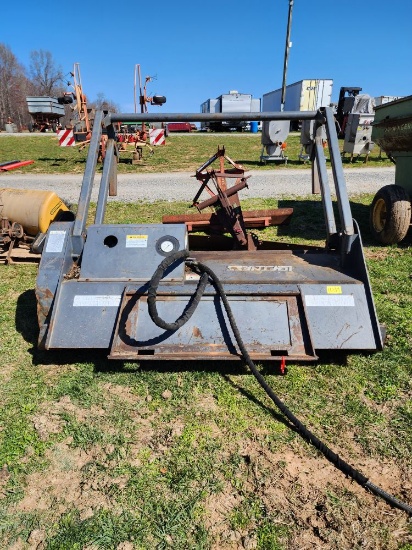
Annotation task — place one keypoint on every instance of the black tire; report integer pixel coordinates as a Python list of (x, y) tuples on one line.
[(390, 214)]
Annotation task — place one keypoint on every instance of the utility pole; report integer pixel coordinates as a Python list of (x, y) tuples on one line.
[(287, 48)]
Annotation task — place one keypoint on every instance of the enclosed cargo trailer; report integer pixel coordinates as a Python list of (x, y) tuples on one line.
[(304, 95)]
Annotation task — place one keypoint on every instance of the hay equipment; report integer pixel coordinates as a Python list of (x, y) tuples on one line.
[(390, 213)]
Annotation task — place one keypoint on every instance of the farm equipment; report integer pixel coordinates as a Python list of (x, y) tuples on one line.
[(45, 113), (227, 216), (347, 96), (390, 215), (106, 286), (274, 135), (25, 218), (14, 164), (358, 127)]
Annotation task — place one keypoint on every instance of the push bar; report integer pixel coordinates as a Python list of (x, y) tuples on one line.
[(204, 117)]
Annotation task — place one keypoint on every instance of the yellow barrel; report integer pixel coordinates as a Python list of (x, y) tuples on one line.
[(34, 210)]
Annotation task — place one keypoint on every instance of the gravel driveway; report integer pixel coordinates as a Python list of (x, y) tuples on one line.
[(181, 186)]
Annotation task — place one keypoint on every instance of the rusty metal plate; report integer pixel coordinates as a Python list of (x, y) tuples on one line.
[(270, 328)]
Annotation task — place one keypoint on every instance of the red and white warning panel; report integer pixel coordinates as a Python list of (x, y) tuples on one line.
[(66, 138), (157, 137)]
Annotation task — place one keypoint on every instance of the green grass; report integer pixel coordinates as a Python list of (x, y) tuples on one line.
[(181, 153), (95, 456)]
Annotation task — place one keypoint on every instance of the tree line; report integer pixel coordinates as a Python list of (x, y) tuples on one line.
[(43, 77)]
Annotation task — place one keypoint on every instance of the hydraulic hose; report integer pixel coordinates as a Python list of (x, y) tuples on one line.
[(206, 275)]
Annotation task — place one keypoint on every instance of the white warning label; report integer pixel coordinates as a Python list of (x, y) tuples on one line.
[(96, 300), (55, 241), (330, 300), (136, 241)]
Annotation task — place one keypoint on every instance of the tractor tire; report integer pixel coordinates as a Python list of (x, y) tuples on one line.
[(390, 214)]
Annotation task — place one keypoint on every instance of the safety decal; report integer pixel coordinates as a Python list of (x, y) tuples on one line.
[(136, 241), (330, 300), (96, 300), (334, 289)]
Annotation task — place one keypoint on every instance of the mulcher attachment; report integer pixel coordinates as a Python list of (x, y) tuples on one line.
[(289, 301)]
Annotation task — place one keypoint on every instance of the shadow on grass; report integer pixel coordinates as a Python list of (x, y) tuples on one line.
[(60, 160), (271, 164)]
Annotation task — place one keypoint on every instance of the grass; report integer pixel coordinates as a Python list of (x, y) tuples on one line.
[(94, 454), (181, 153)]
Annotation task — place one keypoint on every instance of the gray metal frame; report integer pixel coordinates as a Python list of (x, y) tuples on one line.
[(319, 178)]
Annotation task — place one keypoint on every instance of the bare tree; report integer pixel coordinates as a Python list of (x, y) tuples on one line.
[(45, 75), (103, 103), (13, 88)]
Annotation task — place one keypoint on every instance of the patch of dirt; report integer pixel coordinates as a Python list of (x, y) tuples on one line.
[(65, 405), (18, 545), (380, 254), (122, 392), (142, 437), (218, 508), (322, 508), (207, 403), (4, 477), (62, 485), (7, 372), (47, 422), (76, 478)]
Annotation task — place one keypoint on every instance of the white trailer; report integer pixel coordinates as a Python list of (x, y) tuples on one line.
[(382, 99), (304, 95)]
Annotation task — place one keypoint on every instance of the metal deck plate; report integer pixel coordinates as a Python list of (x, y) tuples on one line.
[(270, 327)]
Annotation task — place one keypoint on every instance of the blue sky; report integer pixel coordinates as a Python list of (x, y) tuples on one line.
[(199, 50)]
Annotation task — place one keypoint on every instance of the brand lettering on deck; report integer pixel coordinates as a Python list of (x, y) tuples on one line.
[(260, 268)]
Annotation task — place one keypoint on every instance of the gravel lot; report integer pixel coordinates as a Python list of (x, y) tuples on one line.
[(181, 186)]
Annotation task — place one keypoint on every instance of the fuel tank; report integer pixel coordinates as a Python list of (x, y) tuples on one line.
[(33, 209)]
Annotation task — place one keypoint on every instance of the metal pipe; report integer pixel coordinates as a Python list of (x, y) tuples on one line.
[(339, 179), (231, 191), (320, 162), (287, 48), (204, 117), (87, 185), (107, 178), (134, 88)]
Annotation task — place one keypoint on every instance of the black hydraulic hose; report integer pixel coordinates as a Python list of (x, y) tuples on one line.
[(206, 274), (193, 302)]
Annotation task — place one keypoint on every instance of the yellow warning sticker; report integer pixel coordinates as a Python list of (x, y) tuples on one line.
[(136, 241), (334, 290)]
